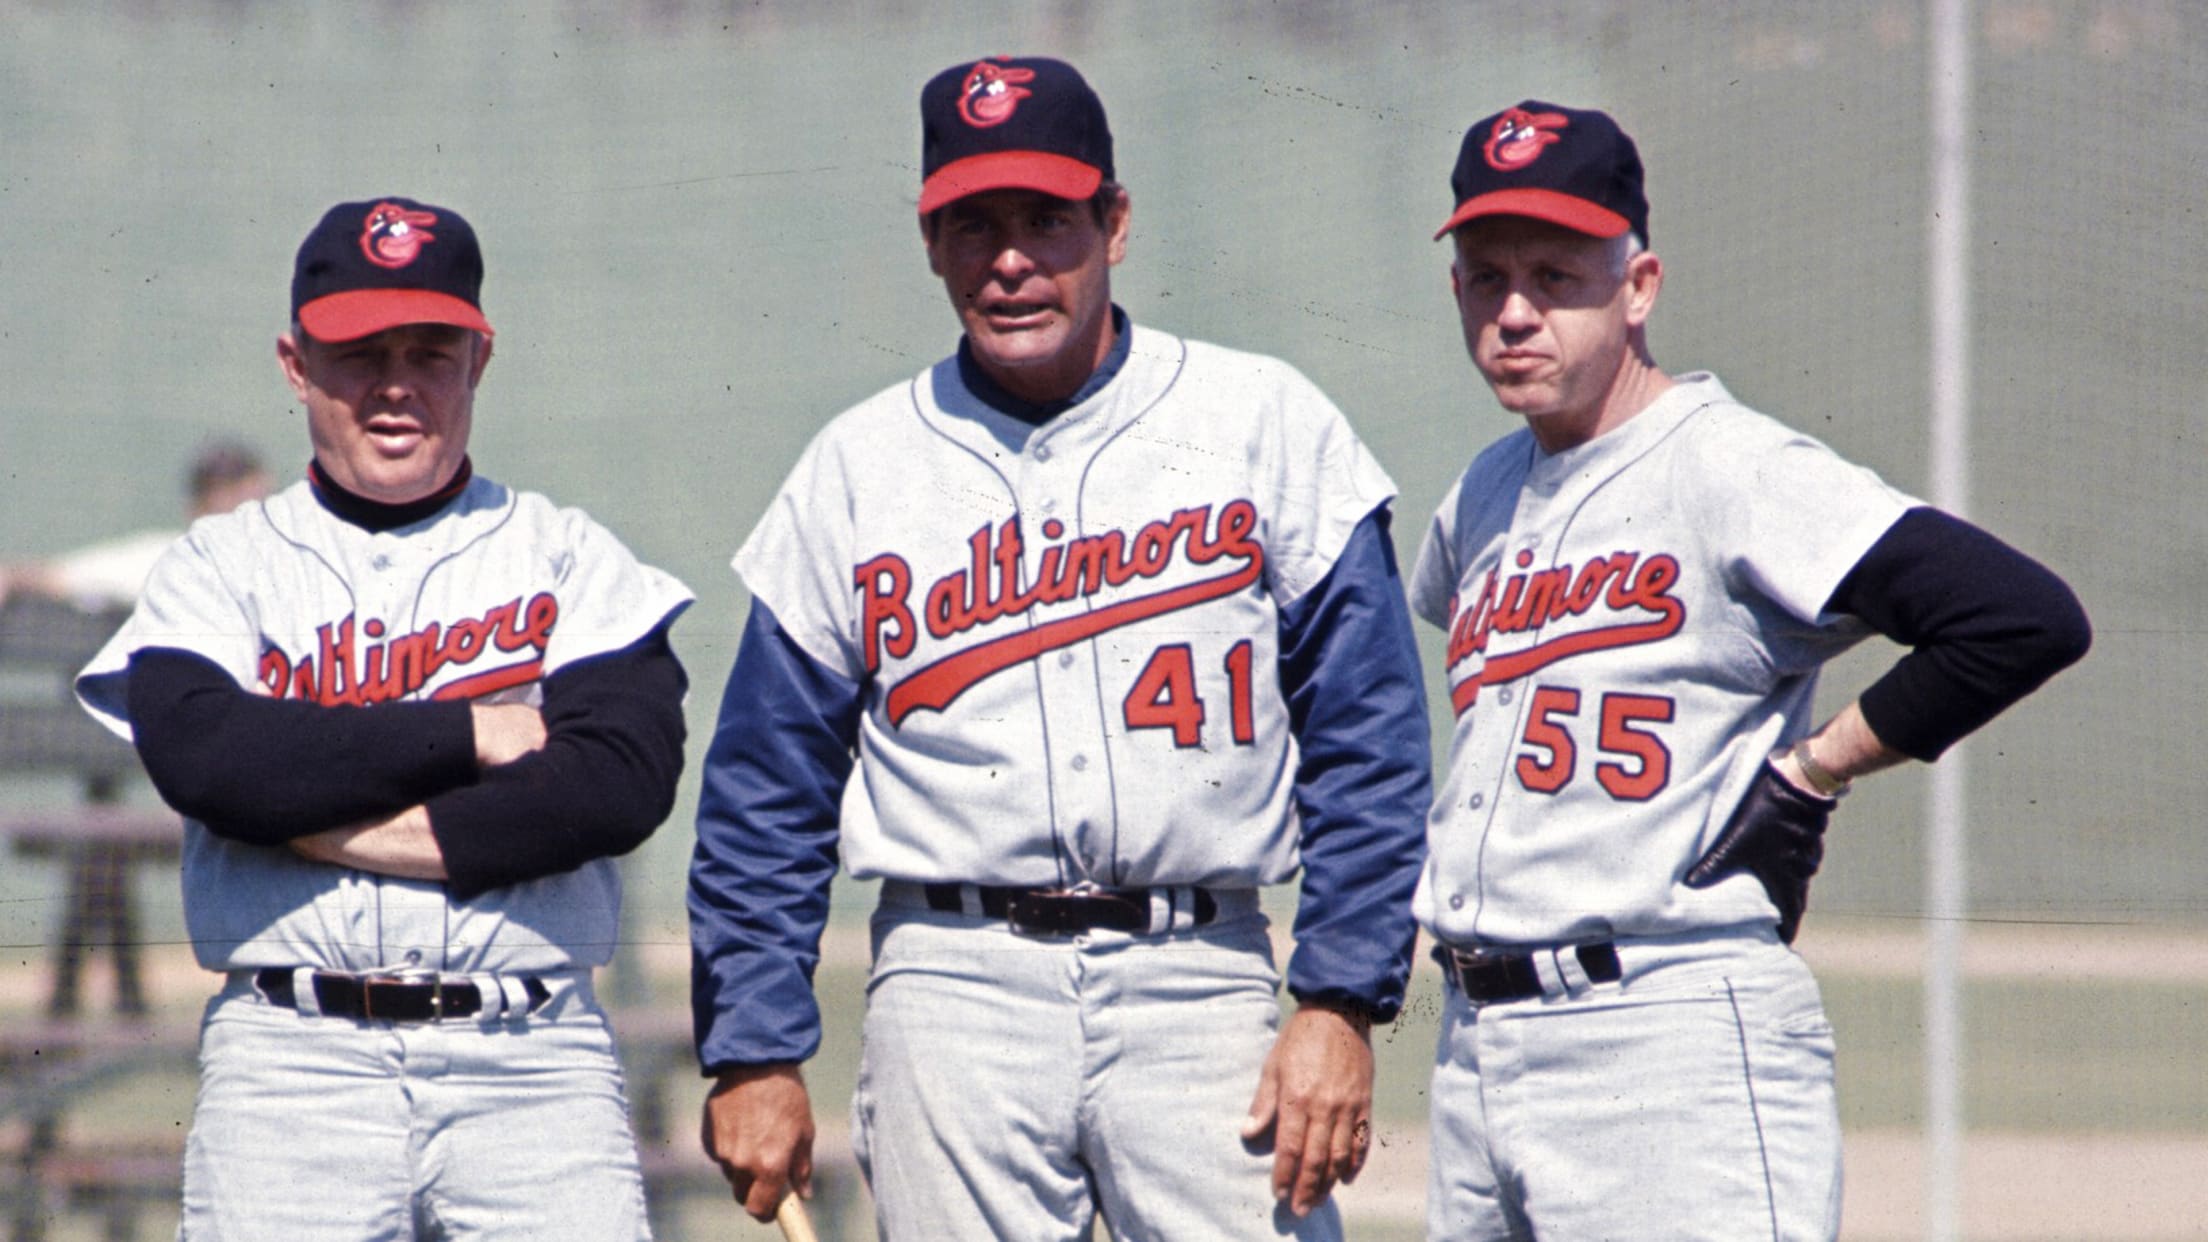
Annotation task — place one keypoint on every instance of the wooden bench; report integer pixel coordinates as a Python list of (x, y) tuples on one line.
[(47, 1070), (97, 845)]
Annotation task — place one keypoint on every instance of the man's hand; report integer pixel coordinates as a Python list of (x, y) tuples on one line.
[(758, 1127), (1776, 834), (505, 732), (401, 846), (1316, 1097)]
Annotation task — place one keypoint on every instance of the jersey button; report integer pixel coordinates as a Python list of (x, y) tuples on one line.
[(1478, 801), (1504, 697), (1080, 763), (1457, 902), (1042, 452), (1065, 659)]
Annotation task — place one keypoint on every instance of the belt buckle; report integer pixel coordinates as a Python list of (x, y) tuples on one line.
[(1047, 911), (1082, 908), (404, 977), (1471, 970)]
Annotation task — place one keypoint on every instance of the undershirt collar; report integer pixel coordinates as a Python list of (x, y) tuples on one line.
[(374, 515), (993, 395)]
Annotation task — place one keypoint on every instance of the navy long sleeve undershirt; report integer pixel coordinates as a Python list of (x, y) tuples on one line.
[(263, 771), (1986, 625)]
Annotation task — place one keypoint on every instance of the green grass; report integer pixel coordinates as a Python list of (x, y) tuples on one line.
[(2039, 1056)]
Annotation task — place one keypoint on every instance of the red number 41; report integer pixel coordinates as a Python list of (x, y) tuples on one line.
[(1164, 696), (1636, 764)]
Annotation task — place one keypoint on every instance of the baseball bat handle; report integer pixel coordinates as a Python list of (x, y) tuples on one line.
[(796, 1222)]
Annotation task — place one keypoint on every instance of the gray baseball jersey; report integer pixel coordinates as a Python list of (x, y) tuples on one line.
[(1082, 690), (1586, 772), (503, 589)]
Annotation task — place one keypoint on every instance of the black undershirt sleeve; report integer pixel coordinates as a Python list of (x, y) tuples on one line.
[(603, 783), (264, 770), (1985, 624)]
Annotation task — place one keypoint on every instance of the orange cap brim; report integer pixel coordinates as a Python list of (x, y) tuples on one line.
[(1576, 214), (1057, 175), (356, 313)]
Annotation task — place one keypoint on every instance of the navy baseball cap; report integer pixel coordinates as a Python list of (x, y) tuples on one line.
[(1011, 123), (385, 262), (1563, 165)]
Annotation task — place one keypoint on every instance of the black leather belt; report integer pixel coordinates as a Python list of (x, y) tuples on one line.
[(389, 998), (1490, 978), (1065, 912)]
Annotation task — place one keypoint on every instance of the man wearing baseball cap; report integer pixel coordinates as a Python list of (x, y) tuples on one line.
[(1639, 587), (410, 716), (1111, 623)]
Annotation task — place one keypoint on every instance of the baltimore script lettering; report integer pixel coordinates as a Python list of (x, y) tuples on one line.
[(991, 588), (380, 670), (1620, 583)]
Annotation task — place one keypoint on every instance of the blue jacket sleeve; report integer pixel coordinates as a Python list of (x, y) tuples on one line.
[(766, 853), (1349, 670)]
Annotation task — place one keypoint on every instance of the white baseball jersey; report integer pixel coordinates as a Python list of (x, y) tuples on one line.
[(1069, 631), (497, 591), (1633, 625)]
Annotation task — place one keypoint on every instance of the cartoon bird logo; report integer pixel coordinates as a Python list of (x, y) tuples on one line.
[(991, 93), (1520, 136), (394, 235)]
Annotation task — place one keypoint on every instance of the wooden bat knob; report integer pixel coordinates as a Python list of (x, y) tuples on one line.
[(797, 1224)]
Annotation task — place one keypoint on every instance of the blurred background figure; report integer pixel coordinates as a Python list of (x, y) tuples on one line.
[(224, 474), (102, 579)]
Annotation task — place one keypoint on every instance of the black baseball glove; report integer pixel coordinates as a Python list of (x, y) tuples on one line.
[(1776, 834)]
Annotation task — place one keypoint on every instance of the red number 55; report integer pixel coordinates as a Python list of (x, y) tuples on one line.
[(1635, 766)]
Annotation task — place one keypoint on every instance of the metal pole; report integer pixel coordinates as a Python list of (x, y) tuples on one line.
[(1946, 893)]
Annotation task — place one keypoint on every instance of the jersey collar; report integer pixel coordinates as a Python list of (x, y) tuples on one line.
[(993, 394), (374, 515)]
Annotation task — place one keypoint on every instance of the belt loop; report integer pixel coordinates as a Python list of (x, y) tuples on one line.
[(969, 901), (1569, 968), (513, 998), (303, 996), (1184, 907), (1548, 966)]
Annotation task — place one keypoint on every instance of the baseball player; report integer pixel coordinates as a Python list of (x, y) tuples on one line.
[(223, 475), (411, 716), (1111, 622), (1638, 589)]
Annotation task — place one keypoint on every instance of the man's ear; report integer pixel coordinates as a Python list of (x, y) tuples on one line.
[(1644, 279), (482, 358), (1116, 223), (291, 359), (927, 238)]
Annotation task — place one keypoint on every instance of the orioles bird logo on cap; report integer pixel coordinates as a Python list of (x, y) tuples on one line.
[(1520, 136), (394, 235), (990, 94)]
